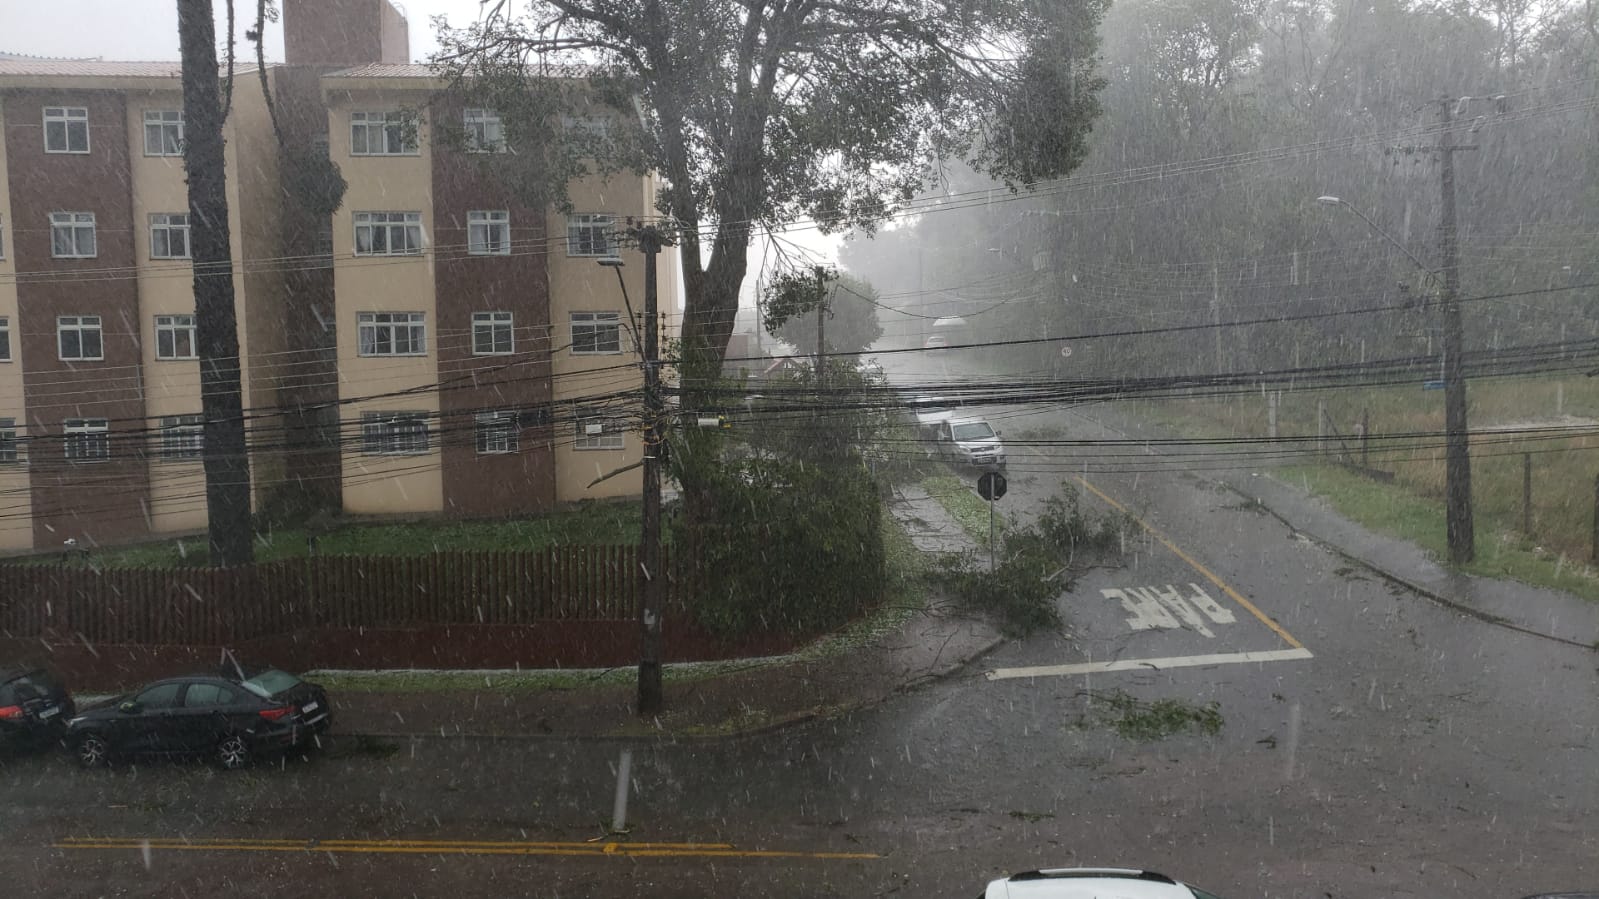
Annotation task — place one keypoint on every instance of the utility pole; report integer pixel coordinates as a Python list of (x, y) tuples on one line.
[(1462, 539), (227, 463), (821, 318), (650, 695)]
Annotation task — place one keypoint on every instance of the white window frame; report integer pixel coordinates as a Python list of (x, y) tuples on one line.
[(590, 228), (488, 232), (395, 434), (80, 325), (590, 325), (168, 225), (74, 225), (182, 438), (485, 133), (596, 126), (162, 124), (170, 333), (5, 338), (498, 433), (65, 118), (380, 334), (610, 436), (391, 127), (488, 328), (86, 441), (10, 447), (407, 226)]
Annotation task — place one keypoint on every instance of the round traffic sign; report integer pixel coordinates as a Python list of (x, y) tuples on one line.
[(991, 485)]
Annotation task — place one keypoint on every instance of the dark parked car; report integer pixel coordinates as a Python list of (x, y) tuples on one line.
[(34, 708), (230, 718)]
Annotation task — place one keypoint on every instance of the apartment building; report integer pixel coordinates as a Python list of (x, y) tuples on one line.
[(432, 347)]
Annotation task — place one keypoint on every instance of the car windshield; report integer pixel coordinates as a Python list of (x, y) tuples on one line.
[(27, 686), (270, 683), (978, 430)]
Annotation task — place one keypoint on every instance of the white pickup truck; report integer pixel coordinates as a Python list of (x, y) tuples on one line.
[(963, 440)]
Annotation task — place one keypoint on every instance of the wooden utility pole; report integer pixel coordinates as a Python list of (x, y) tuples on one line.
[(1461, 534), (651, 697), (226, 459)]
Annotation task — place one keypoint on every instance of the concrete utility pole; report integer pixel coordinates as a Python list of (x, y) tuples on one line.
[(650, 695), (226, 460), (1462, 538), (821, 327)]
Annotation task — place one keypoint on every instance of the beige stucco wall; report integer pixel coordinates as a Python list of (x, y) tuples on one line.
[(580, 284), (377, 485), (16, 526), (157, 185)]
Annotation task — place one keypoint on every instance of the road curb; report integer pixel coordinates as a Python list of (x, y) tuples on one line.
[(764, 729)]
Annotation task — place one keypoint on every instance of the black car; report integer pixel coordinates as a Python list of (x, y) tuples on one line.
[(34, 707), (231, 718)]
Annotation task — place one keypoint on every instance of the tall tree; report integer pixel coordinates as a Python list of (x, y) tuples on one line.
[(764, 111), (227, 466)]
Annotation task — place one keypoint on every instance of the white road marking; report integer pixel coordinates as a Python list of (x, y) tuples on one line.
[(1153, 607), (1225, 658)]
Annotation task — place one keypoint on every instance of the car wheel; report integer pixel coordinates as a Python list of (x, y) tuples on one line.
[(233, 752), (93, 752)]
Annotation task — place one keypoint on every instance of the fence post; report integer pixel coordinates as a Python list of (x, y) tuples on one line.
[(1596, 518), (1365, 438), (1526, 493), (1272, 399), (1321, 427)]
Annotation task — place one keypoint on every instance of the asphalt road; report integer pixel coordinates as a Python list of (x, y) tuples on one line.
[(1371, 744)]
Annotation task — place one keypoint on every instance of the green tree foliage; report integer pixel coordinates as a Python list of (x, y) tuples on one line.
[(758, 113), (850, 305)]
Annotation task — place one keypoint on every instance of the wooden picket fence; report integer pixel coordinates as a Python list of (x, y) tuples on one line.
[(208, 606)]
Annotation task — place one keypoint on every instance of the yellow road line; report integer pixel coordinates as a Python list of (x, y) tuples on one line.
[(1194, 563), (457, 847)]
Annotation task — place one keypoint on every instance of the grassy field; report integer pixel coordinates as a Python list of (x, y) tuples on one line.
[(610, 522), (1555, 551)]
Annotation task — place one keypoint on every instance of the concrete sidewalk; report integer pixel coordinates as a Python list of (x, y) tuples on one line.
[(834, 675)]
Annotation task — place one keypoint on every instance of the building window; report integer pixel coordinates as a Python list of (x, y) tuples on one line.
[(588, 126), (182, 437), (78, 338), (596, 333), (72, 235), (388, 233), (394, 433), (598, 433), (169, 235), (66, 129), (497, 433), (87, 439), (5, 339), (391, 334), (382, 134), (174, 337), (492, 334), (589, 234), (488, 233), (8, 441), (484, 133), (163, 132)]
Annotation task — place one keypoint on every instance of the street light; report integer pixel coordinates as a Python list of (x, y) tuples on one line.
[(1457, 490)]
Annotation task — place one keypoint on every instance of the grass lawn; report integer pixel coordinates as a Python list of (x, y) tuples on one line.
[(960, 499), (592, 523)]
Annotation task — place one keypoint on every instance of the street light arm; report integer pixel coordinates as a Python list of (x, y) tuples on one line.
[(1335, 201)]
